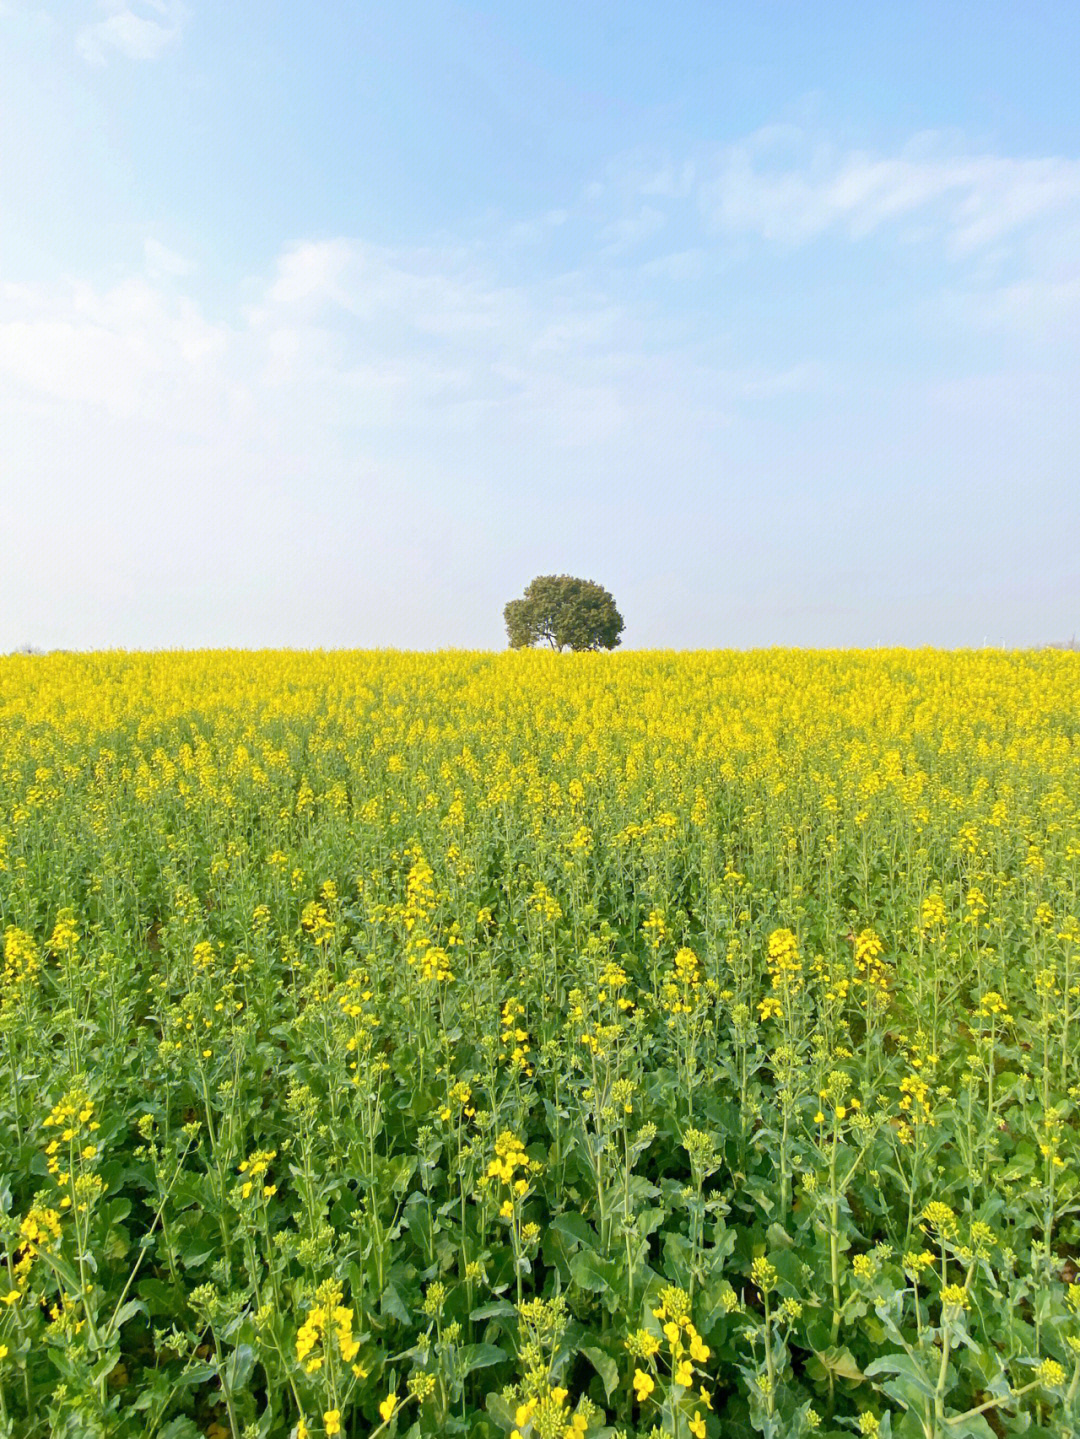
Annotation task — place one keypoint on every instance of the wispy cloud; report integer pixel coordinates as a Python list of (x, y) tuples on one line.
[(136, 29), (648, 172), (347, 337), (787, 187)]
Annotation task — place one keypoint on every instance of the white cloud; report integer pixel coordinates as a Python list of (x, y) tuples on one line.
[(583, 329), (359, 360), (680, 265), (310, 270), (1043, 310), (136, 29), (31, 13), (160, 260), (647, 172), (632, 230), (350, 437), (785, 187), (395, 293), (132, 350), (758, 383), (670, 182), (530, 232)]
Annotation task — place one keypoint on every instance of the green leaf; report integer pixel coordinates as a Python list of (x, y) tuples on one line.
[(574, 1226), (910, 1383), (649, 1220), (497, 1309), (974, 1427), (839, 1362), (480, 1356), (181, 1428), (392, 1304), (590, 1272), (501, 1411), (605, 1366), (677, 1253), (238, 1367), (761, 1196), (125, 1312), (161, 1298), (197, 1374)]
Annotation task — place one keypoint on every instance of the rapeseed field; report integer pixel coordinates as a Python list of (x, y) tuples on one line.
[(540, 1046)]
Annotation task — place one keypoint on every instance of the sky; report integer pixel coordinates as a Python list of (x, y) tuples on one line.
[(332, 325)]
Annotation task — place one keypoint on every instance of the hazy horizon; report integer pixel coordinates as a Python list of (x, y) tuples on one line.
[(328, 330), (33, 652)]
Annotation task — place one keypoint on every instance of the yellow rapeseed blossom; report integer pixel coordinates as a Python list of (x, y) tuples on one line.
[(644, 1384)]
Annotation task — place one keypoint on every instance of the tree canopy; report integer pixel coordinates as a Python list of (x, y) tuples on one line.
[(564, 612)]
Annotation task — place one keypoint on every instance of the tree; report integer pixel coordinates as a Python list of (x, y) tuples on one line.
[(565, 613)]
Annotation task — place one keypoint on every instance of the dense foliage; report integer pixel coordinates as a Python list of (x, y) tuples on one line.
[(564, 613), (540, 1046)]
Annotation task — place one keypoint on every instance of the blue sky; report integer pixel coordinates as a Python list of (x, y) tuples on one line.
[(333, 325)]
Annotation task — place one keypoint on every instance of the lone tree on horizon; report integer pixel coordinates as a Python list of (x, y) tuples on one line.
[(565, 613)]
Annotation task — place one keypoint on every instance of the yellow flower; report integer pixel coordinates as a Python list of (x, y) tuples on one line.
[(387, 1407), (1050, 1373), (684, 1374), (332, 1422), (644, 1384), (697, 1425), (763, 1274), (955, 1296), (699, 1352)]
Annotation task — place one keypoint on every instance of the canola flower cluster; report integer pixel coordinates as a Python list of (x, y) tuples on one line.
[(327, 1316), (540, 1046)]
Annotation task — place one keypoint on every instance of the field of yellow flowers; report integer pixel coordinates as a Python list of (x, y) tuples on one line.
[(537, 1046)]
